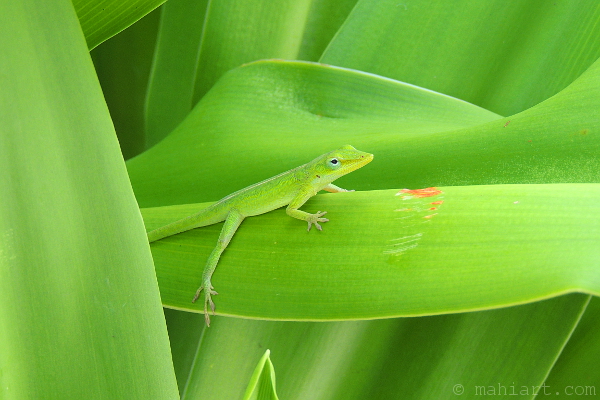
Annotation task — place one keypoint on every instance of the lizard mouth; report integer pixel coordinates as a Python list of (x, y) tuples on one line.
[(358, 162), (365, 159)]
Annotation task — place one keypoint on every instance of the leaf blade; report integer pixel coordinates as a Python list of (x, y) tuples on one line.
[(383, 256), (76, 277)]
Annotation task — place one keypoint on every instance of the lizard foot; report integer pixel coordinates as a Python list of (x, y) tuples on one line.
[(315, 219), (208, 291)]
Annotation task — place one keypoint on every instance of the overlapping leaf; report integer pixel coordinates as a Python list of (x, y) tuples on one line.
[(76, 279)]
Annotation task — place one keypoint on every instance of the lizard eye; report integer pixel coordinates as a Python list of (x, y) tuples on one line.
[(334, 163)]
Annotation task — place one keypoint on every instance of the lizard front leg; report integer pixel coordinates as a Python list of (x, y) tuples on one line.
[(293, 209), (335, 189), (232, 222)]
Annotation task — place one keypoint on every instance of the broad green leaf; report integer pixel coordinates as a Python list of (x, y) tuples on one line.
[(102, 19), (268, 117), (390, 253), (262, 381), (407, 358), (80, 312), (171, 86), (123, 66), (505, 56), (238, 32)]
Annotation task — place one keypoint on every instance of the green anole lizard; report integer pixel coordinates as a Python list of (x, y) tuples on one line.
[(292, 188)]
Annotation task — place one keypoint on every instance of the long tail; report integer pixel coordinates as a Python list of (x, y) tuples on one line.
[(207, 216)]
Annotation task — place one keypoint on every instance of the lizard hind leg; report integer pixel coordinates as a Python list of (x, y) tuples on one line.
[(232, 222)]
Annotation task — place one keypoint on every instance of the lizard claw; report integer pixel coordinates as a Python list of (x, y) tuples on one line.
[(197, 294), (208, 292), (315, 219)]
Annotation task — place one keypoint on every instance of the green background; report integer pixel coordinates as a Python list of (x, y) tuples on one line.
[(494, 103)]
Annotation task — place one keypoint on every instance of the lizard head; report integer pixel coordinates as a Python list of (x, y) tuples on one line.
[(340, 162)]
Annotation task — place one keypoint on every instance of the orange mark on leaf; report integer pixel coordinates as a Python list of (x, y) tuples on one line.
[(427, 192), (506, 124), (430, 216), (438, 202)]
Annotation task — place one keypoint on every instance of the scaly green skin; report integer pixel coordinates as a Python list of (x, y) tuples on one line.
[(292, 188)]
